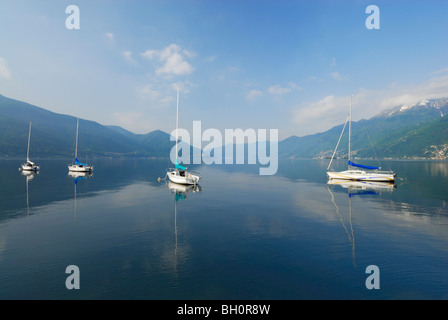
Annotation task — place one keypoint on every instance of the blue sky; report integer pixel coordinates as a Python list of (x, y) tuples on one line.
[(287, 65)]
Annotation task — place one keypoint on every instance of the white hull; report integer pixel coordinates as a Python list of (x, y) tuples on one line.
[(188, 178), (360, 175), (30, 168), (80, 168)]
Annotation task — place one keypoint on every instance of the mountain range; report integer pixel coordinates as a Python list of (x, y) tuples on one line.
[(403, 132), (409, 132), (53, 135)]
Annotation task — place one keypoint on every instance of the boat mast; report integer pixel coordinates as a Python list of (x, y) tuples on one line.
[(76, 145), (28, 150), (350, 130), (177, 120)]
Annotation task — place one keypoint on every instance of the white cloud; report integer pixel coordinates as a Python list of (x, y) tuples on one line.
[(161, 94), (110, 36), (128, 56), (333, 110), (278, 90), (336, 76), (172, 58), (322, 115), (253, 94), (440, 71), (148, 92), (4, 70)]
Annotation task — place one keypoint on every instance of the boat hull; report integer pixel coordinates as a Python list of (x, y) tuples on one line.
[(27, 168), (187, 179), (78, 168), (359, 175), (30, 166)]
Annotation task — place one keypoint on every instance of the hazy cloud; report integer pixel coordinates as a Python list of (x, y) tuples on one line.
[(333, 62), (136, 122), (253, 94), (332, 110), (278, 90), (4, 70), (336, 76), (128, 56), (110, 36), (173, 60)]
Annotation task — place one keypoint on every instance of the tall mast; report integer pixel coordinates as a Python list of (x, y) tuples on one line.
[(177, 119), (350, 129), (76, 145), (29, 138)]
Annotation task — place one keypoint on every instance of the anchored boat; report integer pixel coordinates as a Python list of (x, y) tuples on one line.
[(29, 165), (78, 166), (354, 171), (179, 174)]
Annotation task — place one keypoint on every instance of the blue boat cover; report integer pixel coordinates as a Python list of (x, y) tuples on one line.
[(362, 166), (178, 166), (80, 163)]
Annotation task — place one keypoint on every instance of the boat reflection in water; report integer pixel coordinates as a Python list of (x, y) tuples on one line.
[(29, 176), (356, 188), (77, 175), (180, 193), (363, 187)]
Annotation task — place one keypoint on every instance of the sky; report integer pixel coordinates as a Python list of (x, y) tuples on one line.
[(265, 64)]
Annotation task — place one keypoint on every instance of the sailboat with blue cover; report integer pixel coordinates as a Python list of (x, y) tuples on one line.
[(355, 171), (78, 166), (180, 174)]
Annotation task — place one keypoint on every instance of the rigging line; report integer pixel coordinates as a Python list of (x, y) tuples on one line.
[(339, 215), (371, 145), (336, 148)]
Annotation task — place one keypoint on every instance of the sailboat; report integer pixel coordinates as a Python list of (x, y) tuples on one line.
[(354, 171), (29, 165), (179, 174), (78, 166)]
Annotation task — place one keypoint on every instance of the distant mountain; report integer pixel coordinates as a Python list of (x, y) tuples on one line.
[(53, 135), (407, 131)]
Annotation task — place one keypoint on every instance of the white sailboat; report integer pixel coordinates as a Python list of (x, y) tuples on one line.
[(78, 166), (179, 174), (29, 165), (354, 171)]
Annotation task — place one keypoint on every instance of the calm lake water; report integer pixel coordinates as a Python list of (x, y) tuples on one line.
[(239, 236)]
